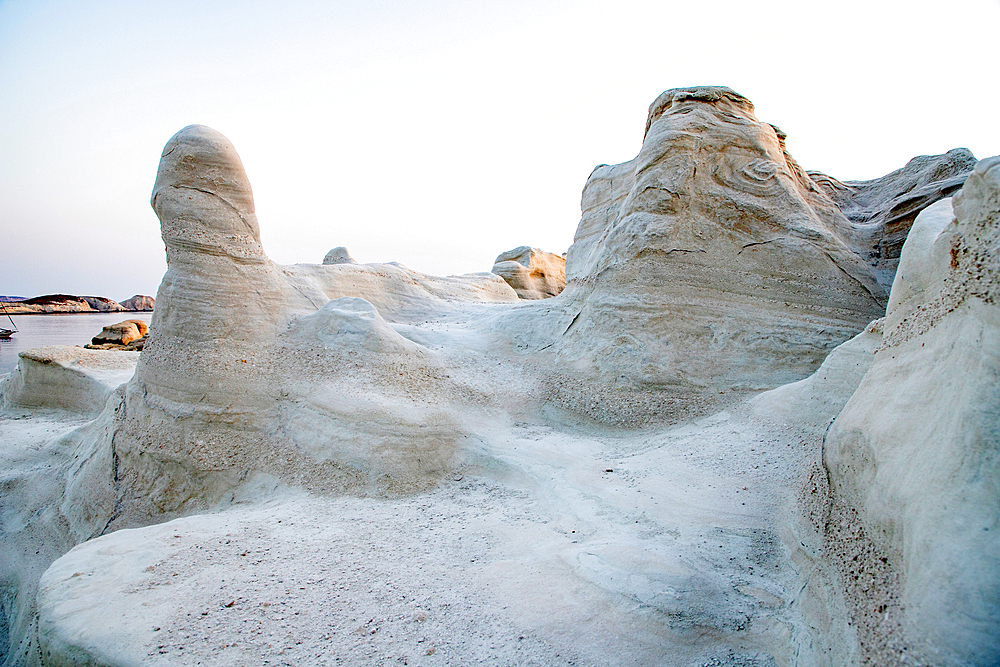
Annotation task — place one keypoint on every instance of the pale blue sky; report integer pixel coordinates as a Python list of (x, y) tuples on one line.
[(437, 134)]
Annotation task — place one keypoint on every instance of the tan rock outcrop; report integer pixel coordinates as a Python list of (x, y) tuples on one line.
[(63, 303), (139, 303), (533, 273), (711, 260), (912, 456), (121, 333), (68, 303), (102, 304)]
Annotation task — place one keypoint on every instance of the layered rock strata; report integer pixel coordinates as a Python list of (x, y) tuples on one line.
[(883, 209), (66, 378), (711, 260), (533, 273), (438, 422)]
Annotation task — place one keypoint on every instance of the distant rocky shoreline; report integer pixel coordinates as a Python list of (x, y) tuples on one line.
[(68, 303)]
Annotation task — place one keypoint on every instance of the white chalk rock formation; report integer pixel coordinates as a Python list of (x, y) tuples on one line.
[(883, 209), (246, 375), (913, 453), (812, 402), (533, 273), (711, 258), (337, 411), (66, 378), (338, 255)]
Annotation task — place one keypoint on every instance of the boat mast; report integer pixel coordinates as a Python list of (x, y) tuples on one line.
[(8, 315)]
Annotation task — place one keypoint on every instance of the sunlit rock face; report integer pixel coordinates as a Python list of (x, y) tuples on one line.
[(533, 273), (711, 258), (914, 451), (221, 298)]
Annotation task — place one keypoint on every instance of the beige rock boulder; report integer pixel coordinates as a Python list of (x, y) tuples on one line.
[(913, 455), (121, 333), (710, 261), (533, 273)]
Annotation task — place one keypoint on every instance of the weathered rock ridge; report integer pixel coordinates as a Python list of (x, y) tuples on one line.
[(223, 392), (589, 478), (66, 378), (711, 261), (883, 209)]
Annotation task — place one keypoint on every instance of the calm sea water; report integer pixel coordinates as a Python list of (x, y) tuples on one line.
[(68, 329)]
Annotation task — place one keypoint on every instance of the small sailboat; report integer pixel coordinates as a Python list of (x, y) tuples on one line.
[(7, 333)]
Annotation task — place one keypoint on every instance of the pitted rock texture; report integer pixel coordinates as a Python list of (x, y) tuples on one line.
[(883, 209), (914, 451), (533, 273), (711, 258)]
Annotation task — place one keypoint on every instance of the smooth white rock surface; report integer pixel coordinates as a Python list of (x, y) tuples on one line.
[(66, 378), (914, 451)]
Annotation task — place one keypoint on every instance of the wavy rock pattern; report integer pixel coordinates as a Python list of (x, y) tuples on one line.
[(711, 256), (224, 395), (883, 209)]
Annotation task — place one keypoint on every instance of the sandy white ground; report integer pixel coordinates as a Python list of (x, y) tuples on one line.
[(674, 547)]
